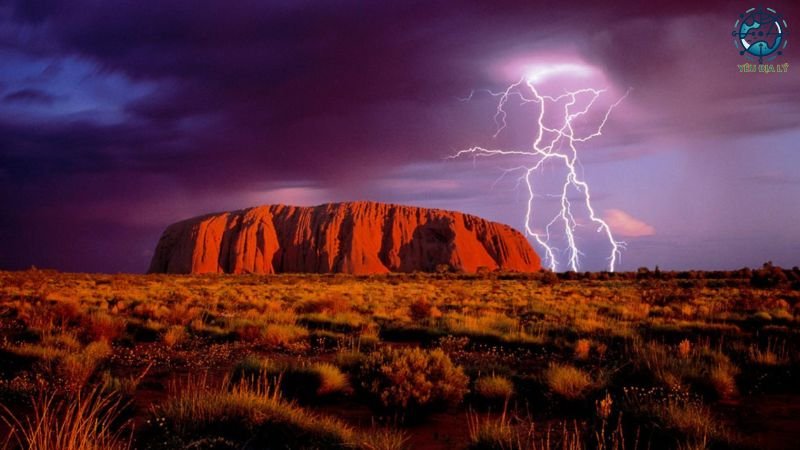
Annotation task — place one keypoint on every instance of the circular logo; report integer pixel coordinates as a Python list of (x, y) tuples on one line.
[(760, 33)]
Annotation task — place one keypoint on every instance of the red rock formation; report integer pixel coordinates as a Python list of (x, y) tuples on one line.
[(357, 237)]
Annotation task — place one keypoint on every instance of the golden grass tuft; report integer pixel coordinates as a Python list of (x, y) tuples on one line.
[(567, 381), (175, 335), (582, 348), (331, 379), (494, 388), (85, 422)]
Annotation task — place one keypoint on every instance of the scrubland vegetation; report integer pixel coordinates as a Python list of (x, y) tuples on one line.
[(645, 360)]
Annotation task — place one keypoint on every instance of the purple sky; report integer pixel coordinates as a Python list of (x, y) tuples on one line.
[(118, 118)]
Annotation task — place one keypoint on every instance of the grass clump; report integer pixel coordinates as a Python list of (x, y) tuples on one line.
[(331, 379), (73, 365), (284, 335), (175, 335), (771, 355), (678, 412), (510, 432), (85, 422), (494, 388), (77, 368), (105, 327), (582, 349), (251, 415), (300, 381), (567, 381)]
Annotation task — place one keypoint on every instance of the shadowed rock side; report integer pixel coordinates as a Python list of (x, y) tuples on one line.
[(357, 237)]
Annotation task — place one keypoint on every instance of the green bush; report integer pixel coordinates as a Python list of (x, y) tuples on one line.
[(412, 379)]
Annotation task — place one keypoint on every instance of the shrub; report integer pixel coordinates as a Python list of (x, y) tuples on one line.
[(77, 368), (284, 335), (64, 341), (247, 331), (582, 348), (105, 327), (422, 309), (175, 335), (494, 387), (685, 349), (332, 304), (331, 379), (567, 381), (762, 316), (413, 379), (722, 379)]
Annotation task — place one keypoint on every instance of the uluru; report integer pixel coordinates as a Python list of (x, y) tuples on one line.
[(353, 237)]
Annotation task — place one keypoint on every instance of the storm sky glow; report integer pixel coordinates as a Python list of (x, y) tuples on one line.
[(117, 119)]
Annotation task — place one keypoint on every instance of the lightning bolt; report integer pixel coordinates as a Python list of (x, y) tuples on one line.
[(559, 147)]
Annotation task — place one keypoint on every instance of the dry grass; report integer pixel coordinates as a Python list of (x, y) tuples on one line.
[(494, 388), (521, 433), (86, 422), (175, 335), (331, 379), (567, 381), (408, 344), (679, 412), (582, 349), (255, 413)]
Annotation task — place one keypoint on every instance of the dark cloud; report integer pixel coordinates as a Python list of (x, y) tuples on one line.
[(30, 96), (253, 95)]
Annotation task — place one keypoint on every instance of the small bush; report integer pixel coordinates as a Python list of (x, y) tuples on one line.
[(175, 335), (422, 309), (248, 332), (685, 349), (567, 381), (284, 335), (494, 388), (331, 304), (77, 368), (722, 379), (413, 379), (582, 348), (762, 316), (103, 326)]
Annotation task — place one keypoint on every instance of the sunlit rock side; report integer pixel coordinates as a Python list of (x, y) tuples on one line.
[(356, 237)]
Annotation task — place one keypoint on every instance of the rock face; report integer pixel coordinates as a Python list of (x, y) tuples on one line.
[(357, 237)]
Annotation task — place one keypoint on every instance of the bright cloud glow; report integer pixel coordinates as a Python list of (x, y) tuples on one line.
[(626, 225), (539, 73)]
